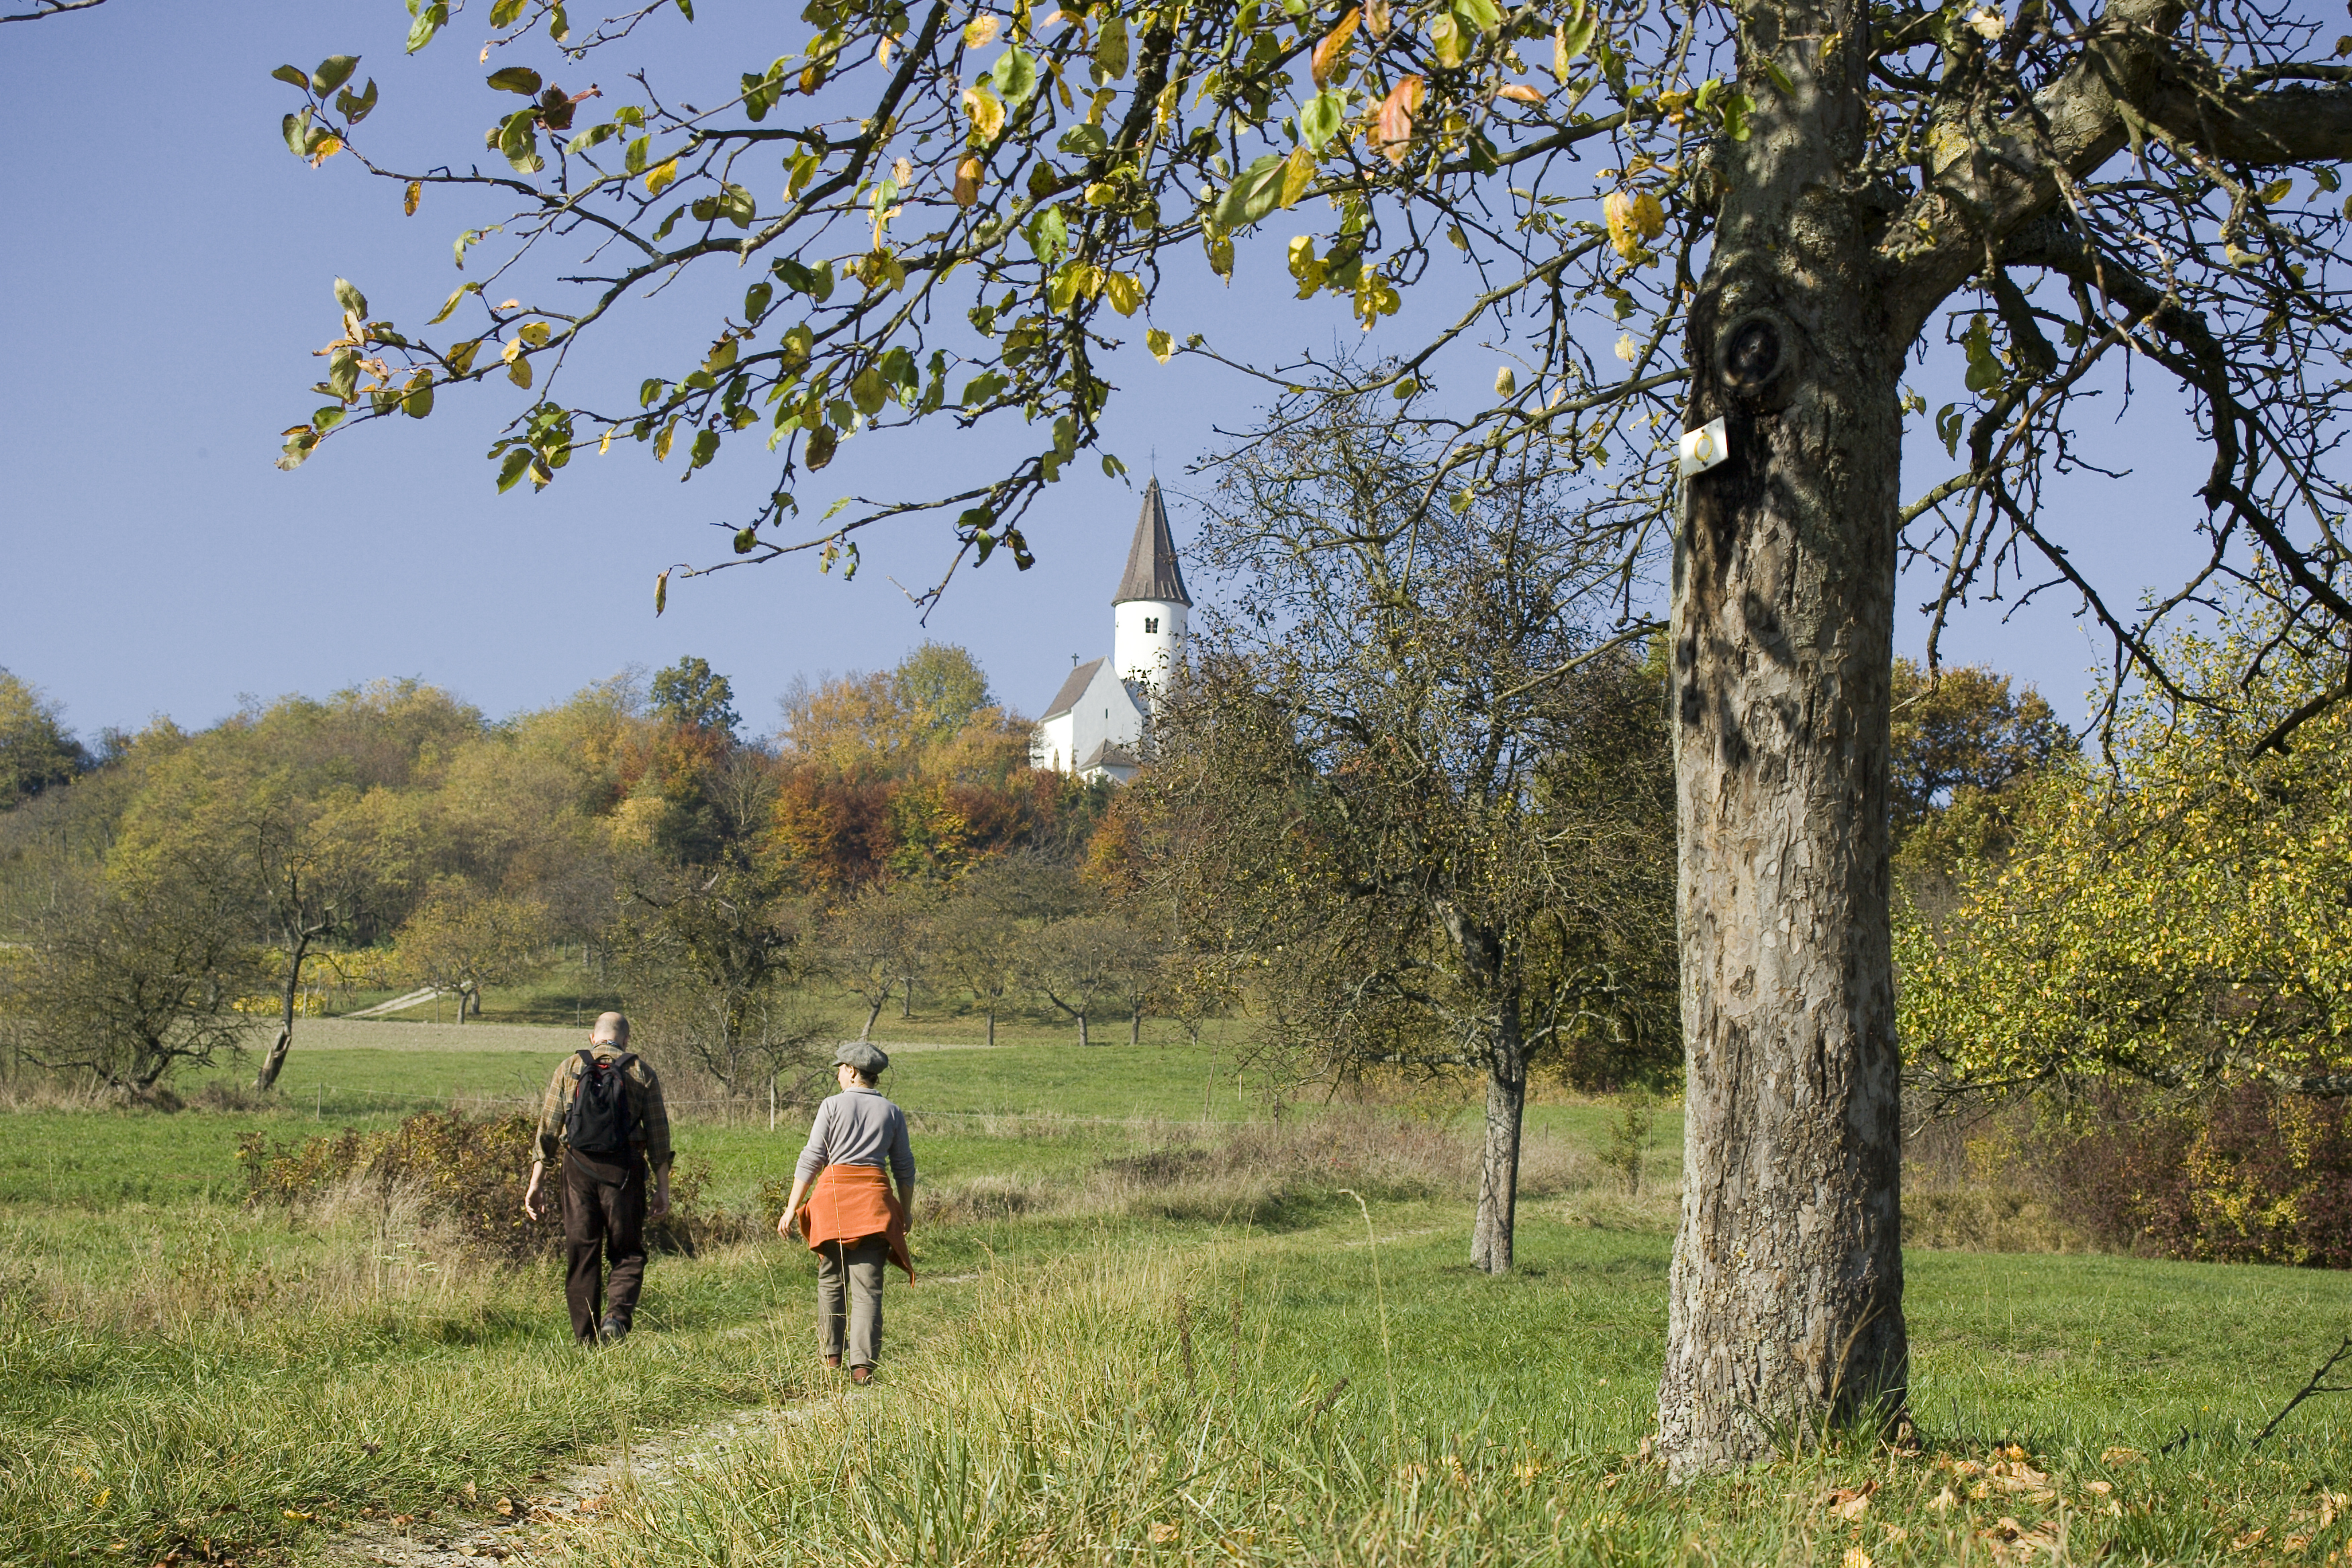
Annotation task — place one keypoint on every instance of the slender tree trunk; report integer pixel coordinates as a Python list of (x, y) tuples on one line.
[(992, 1026), (1785, 1306), (1135, 1027), (873, 1012), (1498, 1160), (275, 1062), (906, 997), (1083, 1041)]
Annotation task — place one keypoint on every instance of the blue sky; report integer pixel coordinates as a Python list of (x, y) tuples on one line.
[(165, 274)]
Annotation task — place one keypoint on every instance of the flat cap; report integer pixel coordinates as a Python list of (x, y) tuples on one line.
[(866, 1058)]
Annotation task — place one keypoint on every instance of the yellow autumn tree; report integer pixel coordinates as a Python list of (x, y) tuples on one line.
[(2174, 911)]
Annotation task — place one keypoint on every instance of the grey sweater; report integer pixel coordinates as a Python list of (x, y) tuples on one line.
[(858, 1127)]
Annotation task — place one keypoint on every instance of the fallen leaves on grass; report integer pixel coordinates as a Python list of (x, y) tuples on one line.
[(2012, 1542)]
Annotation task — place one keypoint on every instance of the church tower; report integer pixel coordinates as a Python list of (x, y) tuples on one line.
[(1148, 612)]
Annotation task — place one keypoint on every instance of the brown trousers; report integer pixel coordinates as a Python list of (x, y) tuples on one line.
[(603, 1215)]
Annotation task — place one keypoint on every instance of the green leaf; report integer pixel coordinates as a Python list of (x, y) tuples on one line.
[(502, 15), (516, 78), (1575, 35), (517, 459), (1015, 75), (1254, 192), (352, 301), (686, 9), (1111, 50), (1321, 119), (705, 446), (2276, 192), (344, 372), (450, 304), (1479, 15), (418, 401), (1048, 232), (1779, 79), (296, 129), (293, 76), (866, 390), (430, 19), (333, 72), (591, 137), (355, 109), (755, 302)]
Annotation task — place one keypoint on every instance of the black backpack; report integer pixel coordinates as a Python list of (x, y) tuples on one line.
[(600, 1121)]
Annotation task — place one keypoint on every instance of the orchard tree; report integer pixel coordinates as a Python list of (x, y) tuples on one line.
[(1410, 782), (946, 212)]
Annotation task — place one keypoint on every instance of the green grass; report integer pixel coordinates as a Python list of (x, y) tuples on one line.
[(179, 1372)]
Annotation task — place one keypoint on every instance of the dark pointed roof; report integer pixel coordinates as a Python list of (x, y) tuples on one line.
[(1073, 688), (1151, 569)]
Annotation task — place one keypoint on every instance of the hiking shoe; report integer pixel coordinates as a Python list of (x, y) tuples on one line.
[(861, 1375), (612, 1331)]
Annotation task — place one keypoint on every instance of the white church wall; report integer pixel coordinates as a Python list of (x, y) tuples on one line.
[(1147, 639)]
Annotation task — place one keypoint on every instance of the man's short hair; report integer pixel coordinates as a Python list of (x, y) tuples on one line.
[(611, 1029)]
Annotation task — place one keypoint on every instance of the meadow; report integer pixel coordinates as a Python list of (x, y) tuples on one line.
[(1153, 1324)]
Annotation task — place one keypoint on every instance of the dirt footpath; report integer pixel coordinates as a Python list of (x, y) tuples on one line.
[(525, 1528)]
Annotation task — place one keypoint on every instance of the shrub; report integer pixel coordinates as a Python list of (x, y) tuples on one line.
[(2246, 1175), (469, 1171)]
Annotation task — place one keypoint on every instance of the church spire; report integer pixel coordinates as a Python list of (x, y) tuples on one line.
[(1153, 572)]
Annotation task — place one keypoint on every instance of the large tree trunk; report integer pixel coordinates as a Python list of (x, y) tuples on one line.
[(1498, 1163), (1786, 1304)]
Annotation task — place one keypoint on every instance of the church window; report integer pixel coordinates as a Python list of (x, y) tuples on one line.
[(1151, 624)]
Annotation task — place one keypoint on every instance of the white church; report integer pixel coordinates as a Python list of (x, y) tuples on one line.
[(1094, 728)]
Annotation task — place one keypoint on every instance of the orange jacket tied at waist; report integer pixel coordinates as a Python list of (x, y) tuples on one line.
[(850, 1203)]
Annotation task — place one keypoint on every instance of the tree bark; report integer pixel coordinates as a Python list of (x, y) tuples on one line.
[(275, 1062), (1498, 1163), (874, 1011), (992, 1026), (1786, 1302), (1083, 1041), (1135, 1027)]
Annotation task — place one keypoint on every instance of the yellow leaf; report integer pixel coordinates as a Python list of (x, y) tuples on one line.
[(1520, 92), (535, 334), (1297, 174), (1124, 292), (1376, 19), (661, 593), (410, 197), (967, 182), (660, 176), (985, 110), (1162, 346), (1329, 53), (1506, 383), (605, 445), (519, 372), (981, 31), (326, 149)]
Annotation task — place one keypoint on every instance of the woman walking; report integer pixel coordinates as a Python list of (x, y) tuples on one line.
[(852, 1220)]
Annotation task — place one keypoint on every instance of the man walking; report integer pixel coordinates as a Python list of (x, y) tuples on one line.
[(853, 1222), (603, 1110)]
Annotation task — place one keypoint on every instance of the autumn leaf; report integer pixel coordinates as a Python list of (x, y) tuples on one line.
[(410, 197), (967, 182), (1520, 92), (1394, 123), (986, 111), (981, 32), (1329, 53)]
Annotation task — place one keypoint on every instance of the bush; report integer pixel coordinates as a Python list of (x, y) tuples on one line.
[(469, 1171), (2247, 1176)]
